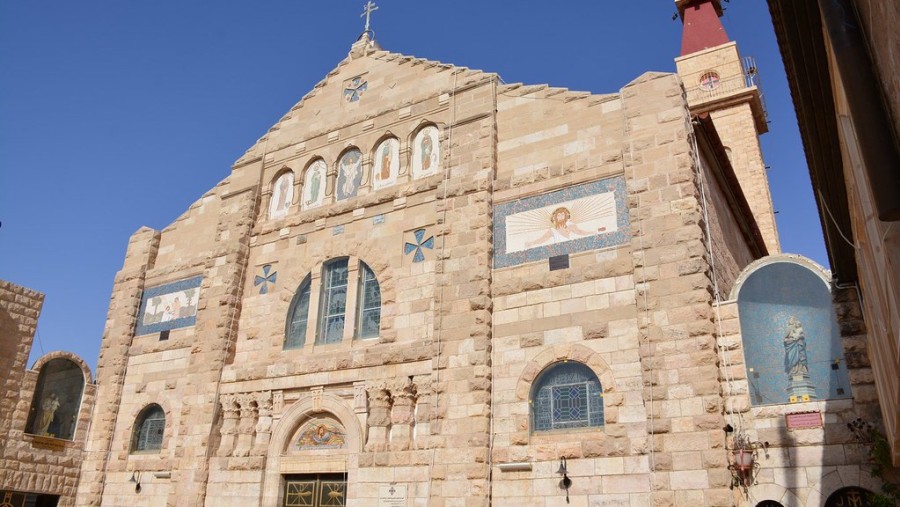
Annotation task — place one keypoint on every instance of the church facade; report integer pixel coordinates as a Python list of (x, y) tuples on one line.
[(423, 286)]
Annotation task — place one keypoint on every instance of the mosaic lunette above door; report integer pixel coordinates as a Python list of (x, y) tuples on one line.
[(575, 219), (319, 434)]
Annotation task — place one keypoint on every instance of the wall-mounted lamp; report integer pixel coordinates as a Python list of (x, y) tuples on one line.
[(743, 462), (564, 483), (136, 480)]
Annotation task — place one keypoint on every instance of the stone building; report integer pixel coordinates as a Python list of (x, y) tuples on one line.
[(44, 412), (841, 62), (423, 286)]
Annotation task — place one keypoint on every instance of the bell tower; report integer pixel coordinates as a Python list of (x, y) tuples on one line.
[(720, 82)]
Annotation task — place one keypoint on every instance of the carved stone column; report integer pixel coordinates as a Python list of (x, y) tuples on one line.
[(264, 423), (402, 414), (247, 424), (379, 420), (230, 416)]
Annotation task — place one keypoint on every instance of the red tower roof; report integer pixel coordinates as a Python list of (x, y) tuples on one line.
[(702, 28)]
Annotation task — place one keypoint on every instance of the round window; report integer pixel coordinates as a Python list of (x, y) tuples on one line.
[(709, 81)]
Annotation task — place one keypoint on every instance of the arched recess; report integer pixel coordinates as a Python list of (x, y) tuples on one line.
[(559, 353), (763, 492), (307, 407), (314, 184), (58, 395), (791, 339), (426, 155), (386, 166), (281, 193), (349, 170)]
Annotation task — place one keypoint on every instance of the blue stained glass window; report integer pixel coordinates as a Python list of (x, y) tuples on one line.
[(334, 302), (299, 317), (566, 395), (149, 430), (368, 321)]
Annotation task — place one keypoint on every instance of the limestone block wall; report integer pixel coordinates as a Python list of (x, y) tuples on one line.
[(30, 463), (179, 370), (430, 436)]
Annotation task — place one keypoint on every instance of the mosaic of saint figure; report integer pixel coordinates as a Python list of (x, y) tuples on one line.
[(426, 152), (320, 435), (565, 221), (387, 164), (349, 175), (282, 195), (796, 363), (314, 185)]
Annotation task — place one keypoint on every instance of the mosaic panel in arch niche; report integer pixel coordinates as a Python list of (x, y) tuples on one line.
[(169, 306), (320, 434), (349, 175), (792, 342), (575, 219)]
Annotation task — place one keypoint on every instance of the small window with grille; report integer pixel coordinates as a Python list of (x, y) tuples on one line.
[(149, 429), (566, 395)]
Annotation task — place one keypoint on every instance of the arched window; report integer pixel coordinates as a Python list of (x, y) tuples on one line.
[(57, 400), (333, 301), (337, 278), (149, 429), (566, 395), (368, 319), (298, 317)]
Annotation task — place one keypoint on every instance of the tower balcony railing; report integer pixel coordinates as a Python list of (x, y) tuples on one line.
[(713, 86)]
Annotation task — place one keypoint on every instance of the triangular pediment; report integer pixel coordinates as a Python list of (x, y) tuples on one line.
[(386, 81)]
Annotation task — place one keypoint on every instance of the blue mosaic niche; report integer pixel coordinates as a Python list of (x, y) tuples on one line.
[(792, 342), (600, 239), (169, 306)]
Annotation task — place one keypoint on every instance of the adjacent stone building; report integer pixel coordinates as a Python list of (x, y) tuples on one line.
[(423, 286), (44, 412)]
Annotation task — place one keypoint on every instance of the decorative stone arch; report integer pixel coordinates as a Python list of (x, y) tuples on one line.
[(62, 354), (132, 418), (560, 353), (773, 259), (305, 408), (834, 481), (335, 169), (775, 492)]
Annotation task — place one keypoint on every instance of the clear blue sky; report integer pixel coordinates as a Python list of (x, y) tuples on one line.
[(118, 114)]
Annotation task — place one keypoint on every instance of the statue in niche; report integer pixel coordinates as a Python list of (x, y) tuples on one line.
[(795, 361), (48, 410)]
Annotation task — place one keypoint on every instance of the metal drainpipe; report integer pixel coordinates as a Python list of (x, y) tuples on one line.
[(877, 140)]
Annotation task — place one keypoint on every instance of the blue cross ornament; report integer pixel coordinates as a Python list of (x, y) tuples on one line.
[(421, 242), (265, 279)]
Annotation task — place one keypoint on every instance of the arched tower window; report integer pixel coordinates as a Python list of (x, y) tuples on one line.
[(57, 400), (566, 395), (149, 429)]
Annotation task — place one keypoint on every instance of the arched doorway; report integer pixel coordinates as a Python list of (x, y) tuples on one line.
[(849, 497)]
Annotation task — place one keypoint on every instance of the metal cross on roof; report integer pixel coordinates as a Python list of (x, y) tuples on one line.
[(369, 8)]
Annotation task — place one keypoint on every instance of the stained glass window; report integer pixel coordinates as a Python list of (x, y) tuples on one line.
[(149, 430), (334, 302), (295, 337), (566, 395), (368, 321)]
